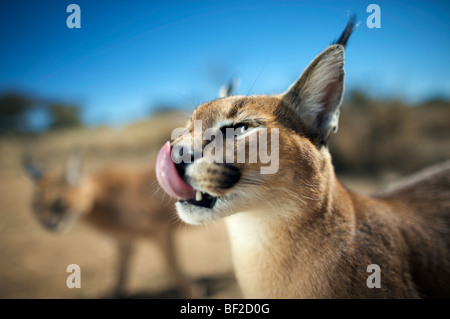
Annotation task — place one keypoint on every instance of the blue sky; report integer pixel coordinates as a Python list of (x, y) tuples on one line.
[(131, 56)]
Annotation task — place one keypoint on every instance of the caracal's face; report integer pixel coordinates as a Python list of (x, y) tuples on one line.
[(228, 188), (57, 204), (297, 124)]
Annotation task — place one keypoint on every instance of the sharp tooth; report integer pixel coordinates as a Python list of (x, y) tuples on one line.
[(198, 196)]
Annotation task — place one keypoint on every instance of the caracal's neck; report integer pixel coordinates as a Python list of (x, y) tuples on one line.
[(284, 250), (91, 190)]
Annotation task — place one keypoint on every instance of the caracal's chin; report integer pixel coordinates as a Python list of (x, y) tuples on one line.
[(59, 224)]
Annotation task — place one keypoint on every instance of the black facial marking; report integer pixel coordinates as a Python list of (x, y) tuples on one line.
[(230, 176), (236, 107)]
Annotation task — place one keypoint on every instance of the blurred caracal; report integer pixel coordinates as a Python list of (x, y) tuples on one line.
[(117, 202)]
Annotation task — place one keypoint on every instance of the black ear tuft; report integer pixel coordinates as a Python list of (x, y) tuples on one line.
[(351, 25)]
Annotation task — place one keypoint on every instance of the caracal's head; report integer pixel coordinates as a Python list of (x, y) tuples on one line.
[(248, 153), (60, 199)]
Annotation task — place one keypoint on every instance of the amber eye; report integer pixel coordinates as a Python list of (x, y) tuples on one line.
[(236, 130), (241, 129)]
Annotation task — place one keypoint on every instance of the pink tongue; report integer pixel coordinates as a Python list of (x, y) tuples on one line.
[(168, 176)]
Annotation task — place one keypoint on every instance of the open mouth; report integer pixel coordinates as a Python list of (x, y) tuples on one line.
[(55, 222), (171, 181), (202, 200)]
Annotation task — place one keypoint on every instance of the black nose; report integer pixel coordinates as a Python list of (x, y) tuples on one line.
[(181, 159)]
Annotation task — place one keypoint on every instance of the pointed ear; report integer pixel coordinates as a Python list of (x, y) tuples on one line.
[(317, 95), (228, 89), (33, 170)]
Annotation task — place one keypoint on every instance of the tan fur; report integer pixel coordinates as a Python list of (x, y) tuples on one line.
[(122, 203), (299, 233)]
